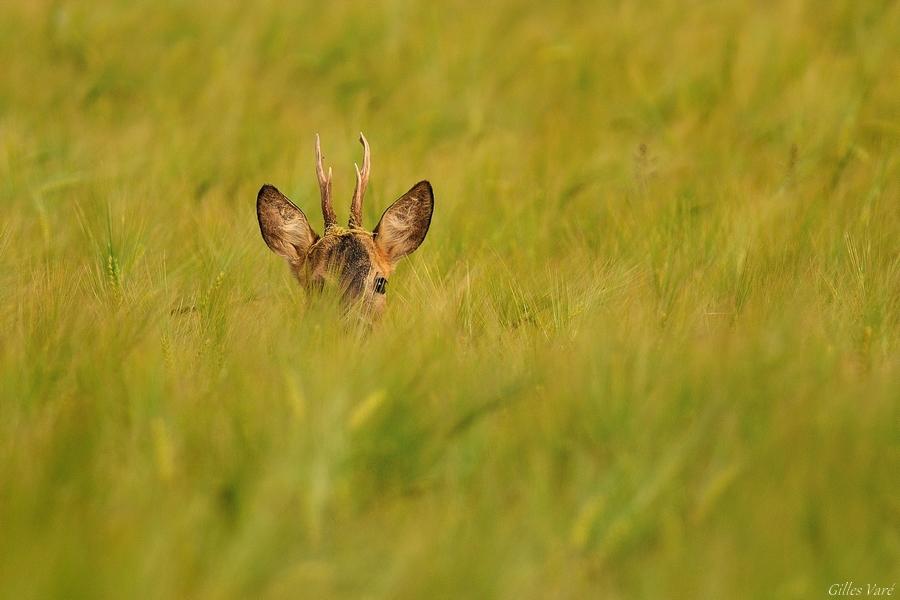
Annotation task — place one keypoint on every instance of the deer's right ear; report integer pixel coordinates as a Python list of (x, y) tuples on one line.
[(404, 224), (284, 227)]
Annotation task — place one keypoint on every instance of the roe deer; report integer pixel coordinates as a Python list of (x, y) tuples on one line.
[(358, 260)]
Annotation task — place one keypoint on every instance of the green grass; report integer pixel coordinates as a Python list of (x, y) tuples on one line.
[(649, 348)]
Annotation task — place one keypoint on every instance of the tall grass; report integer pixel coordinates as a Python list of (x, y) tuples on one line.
[(649, 348)]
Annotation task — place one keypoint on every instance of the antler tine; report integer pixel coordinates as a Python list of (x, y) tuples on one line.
[(362, 180), (324, 187)]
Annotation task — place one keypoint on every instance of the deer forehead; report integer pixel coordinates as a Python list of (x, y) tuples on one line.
[(352, 252)]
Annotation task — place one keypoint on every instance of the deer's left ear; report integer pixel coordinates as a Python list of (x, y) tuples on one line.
[(404, 224), (284, 227)]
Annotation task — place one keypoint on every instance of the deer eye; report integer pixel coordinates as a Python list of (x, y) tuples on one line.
[(380, 285)]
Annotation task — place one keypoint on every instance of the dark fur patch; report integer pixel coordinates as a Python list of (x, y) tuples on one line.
[(349, 258)]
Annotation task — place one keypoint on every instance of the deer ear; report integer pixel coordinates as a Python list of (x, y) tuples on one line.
[(404, 224), (284, 227)]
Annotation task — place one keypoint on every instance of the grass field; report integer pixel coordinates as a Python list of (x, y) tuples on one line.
[(649, 349)]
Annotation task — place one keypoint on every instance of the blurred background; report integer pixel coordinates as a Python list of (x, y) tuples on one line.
[(649, 348)]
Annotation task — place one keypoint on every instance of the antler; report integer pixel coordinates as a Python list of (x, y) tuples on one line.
[(324, 188), (362, 180)]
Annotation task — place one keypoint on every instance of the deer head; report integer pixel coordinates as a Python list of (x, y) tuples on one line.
[(360, 262)]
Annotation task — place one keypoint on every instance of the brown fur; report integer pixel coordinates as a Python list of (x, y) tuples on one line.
[(351, 258)]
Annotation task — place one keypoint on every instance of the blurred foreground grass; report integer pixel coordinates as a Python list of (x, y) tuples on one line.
[(648, 350)]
